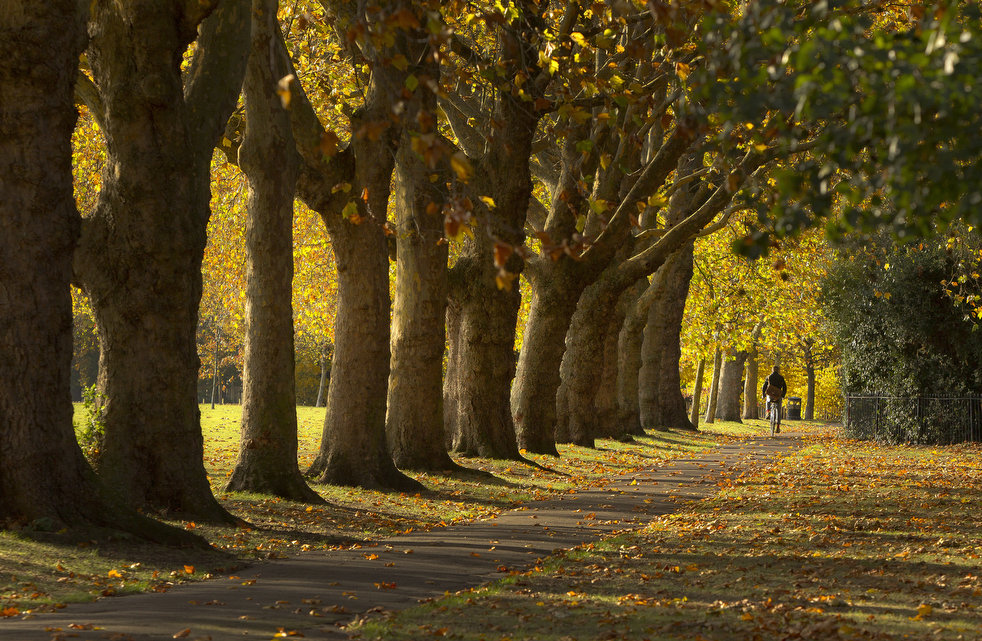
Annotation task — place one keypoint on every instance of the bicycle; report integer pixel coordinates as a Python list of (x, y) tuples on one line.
[(774, 412)]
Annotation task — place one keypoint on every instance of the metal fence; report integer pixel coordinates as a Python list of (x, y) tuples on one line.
[(914, 419)]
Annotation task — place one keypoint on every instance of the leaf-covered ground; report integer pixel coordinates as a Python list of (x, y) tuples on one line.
[(42, 570), (843, 540)]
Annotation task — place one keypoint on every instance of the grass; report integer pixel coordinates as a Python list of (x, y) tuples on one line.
[(843, 540), (41, 570)]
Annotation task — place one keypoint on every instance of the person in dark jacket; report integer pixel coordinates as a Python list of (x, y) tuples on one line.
[(776, 380)]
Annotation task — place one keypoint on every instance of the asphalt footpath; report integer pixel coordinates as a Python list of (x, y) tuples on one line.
[(315, 594)]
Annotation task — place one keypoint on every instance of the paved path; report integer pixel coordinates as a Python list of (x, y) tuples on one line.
[(317, 592)]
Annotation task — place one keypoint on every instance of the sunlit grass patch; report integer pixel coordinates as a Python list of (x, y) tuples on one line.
[(842, 540)]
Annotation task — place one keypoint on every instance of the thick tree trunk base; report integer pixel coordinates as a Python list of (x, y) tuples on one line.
[(289, 484), (339, 470)]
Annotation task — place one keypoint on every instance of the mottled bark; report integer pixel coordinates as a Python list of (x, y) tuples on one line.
[(44, 479), (605, 402), (482, 314), (697, 394), (353, 447), (414, 423), (659, 382), (267, 462), (730, 386), (141, 251), (714, 388), (629, 362), (481, 362), (591, 373), (537, 379)]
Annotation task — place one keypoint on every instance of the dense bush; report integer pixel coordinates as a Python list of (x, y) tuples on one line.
[(900, 334)]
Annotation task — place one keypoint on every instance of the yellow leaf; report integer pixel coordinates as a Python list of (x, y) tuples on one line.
[(400, 62), (283, 90), (114, 574), (682, 70), (461, 166), (489, 201), (189, 569), (924, 610), (183, 633)]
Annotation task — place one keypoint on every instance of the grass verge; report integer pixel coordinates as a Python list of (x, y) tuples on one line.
[(841, 541)]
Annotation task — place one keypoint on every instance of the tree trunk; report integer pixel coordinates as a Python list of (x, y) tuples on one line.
[(325, 366), (353, 448), (268, 446), (730, 387), (214, 368), (697, 394), (44, 479), (714, 387), (629, 364), (481, 362), (414, 423), (659, 382), (750, 398), (606, 400), (810, 393), (141, 252), (483, 313), (533, 396)]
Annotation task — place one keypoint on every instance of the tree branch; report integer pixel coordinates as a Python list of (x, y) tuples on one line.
[(214, 77)]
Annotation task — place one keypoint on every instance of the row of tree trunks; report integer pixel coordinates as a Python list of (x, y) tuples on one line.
[(714, 387), (267, 460), (44, 479), (606, 401), (141, 250), (629, 343)]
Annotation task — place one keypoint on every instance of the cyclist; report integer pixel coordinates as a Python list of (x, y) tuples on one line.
[(774, 389)]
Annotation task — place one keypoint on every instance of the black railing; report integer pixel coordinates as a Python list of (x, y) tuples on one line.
[(914, 419)]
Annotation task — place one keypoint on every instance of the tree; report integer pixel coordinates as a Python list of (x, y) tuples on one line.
[(140, 255), (882, 93), (39, 228), (496, 137), (349, 187), (268, 447), (415, 414)]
